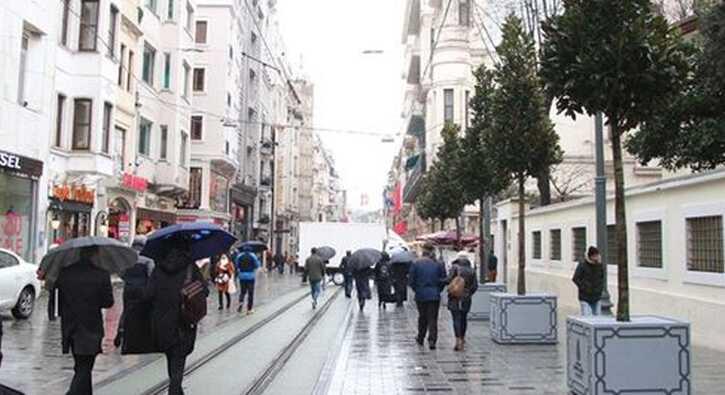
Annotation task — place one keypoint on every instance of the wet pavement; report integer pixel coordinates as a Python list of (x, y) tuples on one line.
[(34, 364), (379, 356)]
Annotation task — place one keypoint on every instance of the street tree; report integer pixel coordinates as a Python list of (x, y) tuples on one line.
[(483, 178), (690, 130), (522, 140), (442, 197), (621, 59)]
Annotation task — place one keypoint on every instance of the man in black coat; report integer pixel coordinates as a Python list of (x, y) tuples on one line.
[(589, 278), (84, 290), (346, 269)]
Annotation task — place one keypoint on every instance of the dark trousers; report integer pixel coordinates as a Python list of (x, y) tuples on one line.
[(221, 299), (82, 383), (348, 285), (175, 362), (246, 288), (428, 320), (52, 297), (460, 322)]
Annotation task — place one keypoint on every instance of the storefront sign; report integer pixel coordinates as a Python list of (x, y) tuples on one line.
[(20, 164), (74, 193), (135, 183)]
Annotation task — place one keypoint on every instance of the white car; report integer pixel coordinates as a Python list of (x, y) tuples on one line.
[(18, 285)]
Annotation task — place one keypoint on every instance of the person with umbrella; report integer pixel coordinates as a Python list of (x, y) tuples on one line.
[(427, 278), (362, 262), (383, 280), (135, 280), (315, 271), (463, 284), (84, 289), (247, 264), (346, 269), (400, 265)]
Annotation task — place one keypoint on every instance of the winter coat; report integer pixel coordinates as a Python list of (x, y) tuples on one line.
[(247, 270), (492, 263), (168, 329), (589, 278), (84, 290), (383, 279), (345, 266), (135, 322), (463, 268), (224, 275), (427, 279), (362, 282), (315, 268), (399, 273)]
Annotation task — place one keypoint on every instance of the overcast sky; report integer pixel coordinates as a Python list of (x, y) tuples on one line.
[(352, 91)]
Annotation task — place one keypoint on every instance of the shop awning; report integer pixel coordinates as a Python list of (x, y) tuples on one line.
[(65, 205)]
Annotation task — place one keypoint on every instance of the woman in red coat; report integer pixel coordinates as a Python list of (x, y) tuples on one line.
[(224, 280)]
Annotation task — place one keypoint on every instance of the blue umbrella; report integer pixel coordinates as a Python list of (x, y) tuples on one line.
[(206, 240), (253, 245)]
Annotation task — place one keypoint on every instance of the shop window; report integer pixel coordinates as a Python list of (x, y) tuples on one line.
[(89, 25), (705, 244), (16, 212), (536, 244), (555, 244), (649, 244), (82, 110), (579, 243), (144, 137)]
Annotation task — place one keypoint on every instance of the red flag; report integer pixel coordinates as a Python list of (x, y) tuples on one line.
[(401, 228)]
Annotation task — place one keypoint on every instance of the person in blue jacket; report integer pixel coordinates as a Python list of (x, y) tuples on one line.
[(247, 264), (427, 278)]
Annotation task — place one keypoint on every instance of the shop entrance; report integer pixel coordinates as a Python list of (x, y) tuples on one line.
[(119, 220)]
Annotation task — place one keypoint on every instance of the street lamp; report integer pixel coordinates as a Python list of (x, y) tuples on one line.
[(600, 198)]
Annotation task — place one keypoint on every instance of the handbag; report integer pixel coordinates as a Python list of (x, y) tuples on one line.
[(193, 299)]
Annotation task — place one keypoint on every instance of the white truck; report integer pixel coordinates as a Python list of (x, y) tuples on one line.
[(344, 236)]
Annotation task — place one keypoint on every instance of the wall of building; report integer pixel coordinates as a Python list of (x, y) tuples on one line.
[(672, 290)]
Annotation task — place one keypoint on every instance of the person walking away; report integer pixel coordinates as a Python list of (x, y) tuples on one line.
[(171, 333), (427, 278), (83, 290), (362, 285), (224, 281), (247, 264), (462, 284), (492, 267), (399, 272), (346, 269), (279, 262), (383, 282), (314, 270), (135, 279), (589, 279)]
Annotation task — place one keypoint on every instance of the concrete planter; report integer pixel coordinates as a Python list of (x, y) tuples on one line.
[(481, 301), (523, 319), (648, 355)]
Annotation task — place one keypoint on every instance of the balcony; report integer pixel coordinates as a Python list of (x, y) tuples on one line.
[(415, 169)]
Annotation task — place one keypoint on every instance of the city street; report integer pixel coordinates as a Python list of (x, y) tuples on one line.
[(286, 347)]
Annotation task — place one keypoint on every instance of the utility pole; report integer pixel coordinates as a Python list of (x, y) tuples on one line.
[(274, 245), (600, 184), (485, 243)]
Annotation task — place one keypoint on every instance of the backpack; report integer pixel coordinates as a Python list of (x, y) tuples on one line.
[(457, 287), (193, 299), (246, 263)]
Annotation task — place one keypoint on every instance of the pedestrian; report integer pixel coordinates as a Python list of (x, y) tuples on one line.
[(224, 280), (462, 285), (362, 274), (135, 280), (427, 278), (589, 279), (314, 270), (290, 263), (492, 267), (247, 264), (346, 269), (279, 262), (173, 336), (383, 280), (399, 272), (52, 295), (83, 290)]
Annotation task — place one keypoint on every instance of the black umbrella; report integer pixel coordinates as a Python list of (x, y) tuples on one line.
[(365, 258), (326, 253), (113, 256), (206, 240), (253, 246), (402, 257)]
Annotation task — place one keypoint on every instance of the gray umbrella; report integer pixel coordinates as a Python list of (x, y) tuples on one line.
[(326, 253), (113, 256), (402, 257), (365, 258)]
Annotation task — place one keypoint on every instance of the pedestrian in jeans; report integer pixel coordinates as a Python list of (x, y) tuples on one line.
[(247, 264), (460, 306), (589, 278), (224, 280), (427, 278), (314, 269), (346, 269)]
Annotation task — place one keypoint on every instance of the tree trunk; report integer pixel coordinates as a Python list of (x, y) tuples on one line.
[(544, 185), (521, 280), (621, 225), (482, 241), (458, 232)]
